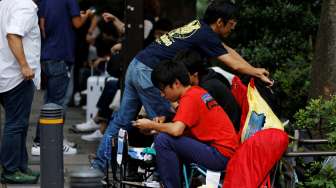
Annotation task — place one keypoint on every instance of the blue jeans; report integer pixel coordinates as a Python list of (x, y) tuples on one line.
[(105, 99), (139, 90), (17, 104), (171, 151), (58, 77)]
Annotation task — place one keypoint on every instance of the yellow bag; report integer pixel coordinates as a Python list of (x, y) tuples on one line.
[(259, 116)]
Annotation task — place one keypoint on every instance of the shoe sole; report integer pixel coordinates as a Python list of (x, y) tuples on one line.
[(35, 154), (73, 129), (6, 181), (91, 140)]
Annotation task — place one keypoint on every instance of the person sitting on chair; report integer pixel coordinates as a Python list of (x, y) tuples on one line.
[(201, 132), (217, 85)]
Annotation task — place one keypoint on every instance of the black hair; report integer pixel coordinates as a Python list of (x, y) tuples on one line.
[(164, 24), (167, 72), (192, 61), (223, 9), (108, 28), (103, 46)]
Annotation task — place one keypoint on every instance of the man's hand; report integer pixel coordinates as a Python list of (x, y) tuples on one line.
[(108, 17), (116, 48), (88, 13), (143, 123), (16, 46), (148, 131), (159, 119), (27, 72), (263, 75)]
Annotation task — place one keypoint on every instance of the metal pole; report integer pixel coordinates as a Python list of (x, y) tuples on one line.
[(310, 154), (51, 126), (0, 126), (134, 33), (314, 141)]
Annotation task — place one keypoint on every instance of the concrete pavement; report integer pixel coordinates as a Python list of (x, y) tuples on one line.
[(74, 115)]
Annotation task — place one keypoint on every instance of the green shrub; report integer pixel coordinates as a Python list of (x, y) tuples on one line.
[(319, 116)]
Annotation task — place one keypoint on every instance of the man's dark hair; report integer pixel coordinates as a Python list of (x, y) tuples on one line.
[(192, 61), (223, 9), (164, 24), (167, 72)]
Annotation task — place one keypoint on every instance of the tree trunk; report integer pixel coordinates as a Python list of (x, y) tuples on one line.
[(324, 65)]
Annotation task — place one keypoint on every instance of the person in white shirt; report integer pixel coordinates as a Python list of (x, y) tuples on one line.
[(20, 46)]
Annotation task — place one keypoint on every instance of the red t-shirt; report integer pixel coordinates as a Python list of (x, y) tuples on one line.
[(206, 121)]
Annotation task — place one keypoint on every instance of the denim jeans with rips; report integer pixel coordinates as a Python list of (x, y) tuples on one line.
[(139, 90), (17, 104)]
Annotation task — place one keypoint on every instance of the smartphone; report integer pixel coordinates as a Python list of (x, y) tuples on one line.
[(93, 10)]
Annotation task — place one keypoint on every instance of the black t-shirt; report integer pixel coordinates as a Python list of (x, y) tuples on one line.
[(221, 92), (196, 35)]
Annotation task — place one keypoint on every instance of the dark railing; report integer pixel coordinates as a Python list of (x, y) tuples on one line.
[(297, 141)]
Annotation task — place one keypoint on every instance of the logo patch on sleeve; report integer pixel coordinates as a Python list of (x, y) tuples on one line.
[(209, 101)]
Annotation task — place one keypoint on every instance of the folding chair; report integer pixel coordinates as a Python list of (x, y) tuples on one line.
[(122, 153)]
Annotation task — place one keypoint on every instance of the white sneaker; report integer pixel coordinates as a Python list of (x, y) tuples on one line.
[(84, 92), (35, 150), (97, 135), (69, 143), (87, 126), (67, 150)]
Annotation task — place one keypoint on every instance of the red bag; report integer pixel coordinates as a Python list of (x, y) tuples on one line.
[(254, 159)]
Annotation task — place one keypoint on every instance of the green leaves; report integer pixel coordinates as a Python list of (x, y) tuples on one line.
[(326, 178), (319, 114)]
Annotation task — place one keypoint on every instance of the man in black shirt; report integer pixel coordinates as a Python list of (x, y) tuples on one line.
[(210, 80)]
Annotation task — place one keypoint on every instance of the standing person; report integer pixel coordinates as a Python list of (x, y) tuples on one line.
[(20, 45), (204, 36), (201, 132), (58, 18)]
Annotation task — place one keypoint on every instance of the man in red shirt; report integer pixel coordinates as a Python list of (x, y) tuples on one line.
[(201, 132)]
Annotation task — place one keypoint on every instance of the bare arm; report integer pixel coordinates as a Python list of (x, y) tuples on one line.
[(108, 17), (94, 23), (16, 46), (78, 21), (233, 60), (172, 128), (42, 27), (234, 53)]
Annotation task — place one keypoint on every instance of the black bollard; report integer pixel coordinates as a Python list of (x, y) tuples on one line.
[(51, 133)]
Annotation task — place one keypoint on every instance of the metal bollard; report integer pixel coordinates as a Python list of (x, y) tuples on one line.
[(86, 178), (51, 146)]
